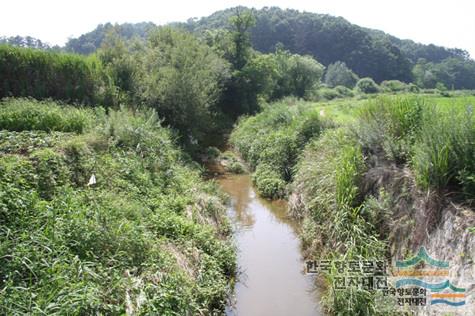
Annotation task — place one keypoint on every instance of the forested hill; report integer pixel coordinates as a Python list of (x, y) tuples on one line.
[(329, 39), (90, 42), (370, 53)]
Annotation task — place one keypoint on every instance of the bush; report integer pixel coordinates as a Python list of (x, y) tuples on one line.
[(394, 86), (236, 167), (232, 163), (326, 94), (182, 79), (268, 182), (344, 91), (367, 85), (213, 152), (413, 88)]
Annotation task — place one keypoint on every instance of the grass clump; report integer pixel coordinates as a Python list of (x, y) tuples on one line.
[(435, 139), (150, 237), (390, 125)]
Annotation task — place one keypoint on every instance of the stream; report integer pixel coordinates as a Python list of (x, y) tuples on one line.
[(271, 279)]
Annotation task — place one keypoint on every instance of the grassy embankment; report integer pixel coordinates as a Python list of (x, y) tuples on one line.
[(150, 237), (331, 177)]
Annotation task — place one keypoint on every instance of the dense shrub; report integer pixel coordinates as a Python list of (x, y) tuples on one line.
[(268, 181), (294, 75), (344, 91), (367, 85), (231, 162), (394, 86), (182, 79), (274, 138), (324, 93)]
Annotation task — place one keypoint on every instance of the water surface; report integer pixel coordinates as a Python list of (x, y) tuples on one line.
[(271, 279)]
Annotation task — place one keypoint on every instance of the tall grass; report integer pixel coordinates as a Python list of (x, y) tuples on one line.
[(390, 125), (328, 178), (444, 153), (28, 114), (44, 74), (437, 141)]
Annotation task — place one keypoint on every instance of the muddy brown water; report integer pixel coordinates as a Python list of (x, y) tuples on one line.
[(271, 280)]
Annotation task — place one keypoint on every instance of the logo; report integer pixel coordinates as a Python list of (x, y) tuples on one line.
[(441, 292)]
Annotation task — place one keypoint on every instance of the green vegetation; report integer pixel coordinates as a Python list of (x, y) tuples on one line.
[(232, 163), (330, 40), (24, 115), (272, 140), (182, 79), (148, 238), (411, 130), (90, 42), (346, 214), (367, 85), (395, 86), (101, 212), (26, 41), (329, 175), (39, 74), (452, 73), (338, 74)]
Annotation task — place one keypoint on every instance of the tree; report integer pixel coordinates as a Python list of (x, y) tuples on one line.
[(305, 72), (295, 75), (329, 39), (241, 22), (457, 73), (182, 79), (117, 55), (423, 74), (338, 74)]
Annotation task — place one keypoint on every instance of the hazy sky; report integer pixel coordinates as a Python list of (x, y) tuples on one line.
[(442, 22)]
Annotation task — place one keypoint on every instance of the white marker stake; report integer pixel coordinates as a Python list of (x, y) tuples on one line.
[(92, 180)]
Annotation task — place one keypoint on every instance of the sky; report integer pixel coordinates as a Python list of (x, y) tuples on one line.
[(441, 22)]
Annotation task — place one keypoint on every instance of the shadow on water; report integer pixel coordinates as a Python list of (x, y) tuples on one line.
[(272, 279)]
